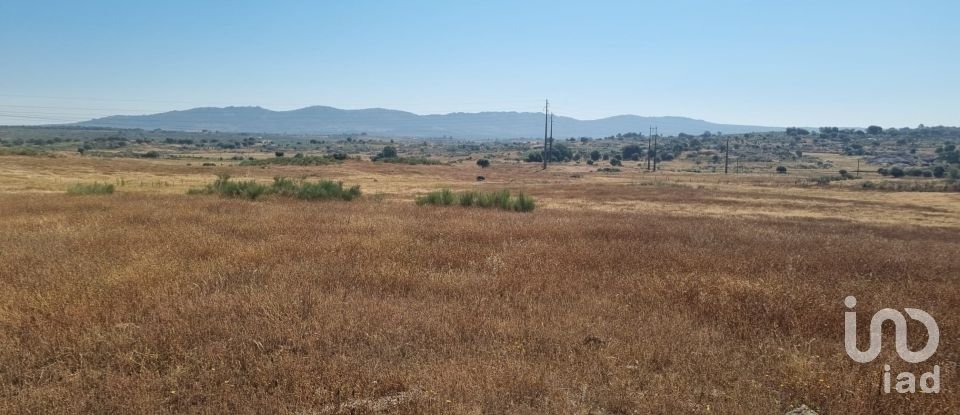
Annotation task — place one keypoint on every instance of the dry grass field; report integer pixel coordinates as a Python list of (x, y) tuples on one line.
[(629, 293)]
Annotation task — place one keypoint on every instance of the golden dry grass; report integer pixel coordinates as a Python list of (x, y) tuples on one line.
[(629, 293)]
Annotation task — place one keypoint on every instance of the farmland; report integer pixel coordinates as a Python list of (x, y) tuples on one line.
[(625, 291)]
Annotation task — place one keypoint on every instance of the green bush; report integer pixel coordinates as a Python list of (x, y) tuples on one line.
[(247, 189), (939, 172), (523, 203), (407, 160), (291, 161), (326, 189), (468, 198), (437, 197), (90, 189), (499, 199), (281, 186)]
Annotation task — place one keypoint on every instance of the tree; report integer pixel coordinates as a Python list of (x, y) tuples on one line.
[(559, 152), (594, 155), (939, 172), (81, 150), (897, 172), (388, 152), (781, 170), (483, 163), (631, 152), (874, 129), (278, 154), (615, 162)]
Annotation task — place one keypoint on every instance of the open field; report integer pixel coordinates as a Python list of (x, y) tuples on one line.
[(623, 293)]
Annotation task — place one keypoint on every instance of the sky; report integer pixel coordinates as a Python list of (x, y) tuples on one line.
[(775, 62)]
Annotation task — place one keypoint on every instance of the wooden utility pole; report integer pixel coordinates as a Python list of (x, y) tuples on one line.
[(858, 168), (656, 134), (649, 146), (550, 153), (546, 122), (726, 159)]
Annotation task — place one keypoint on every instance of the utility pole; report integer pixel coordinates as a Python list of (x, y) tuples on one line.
[(649, 146), (550, 153), (858, 168), (656, 134), (546, 122), (726, 158)]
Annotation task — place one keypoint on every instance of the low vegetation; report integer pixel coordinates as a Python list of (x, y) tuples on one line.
[(91, 189), (298, 160), (281, 186), (409, 160), (499, 199)]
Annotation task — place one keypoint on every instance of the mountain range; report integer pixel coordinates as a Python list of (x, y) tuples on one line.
[(386, 122)]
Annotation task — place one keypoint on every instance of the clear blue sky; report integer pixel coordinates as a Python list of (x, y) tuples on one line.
[(772, 62)]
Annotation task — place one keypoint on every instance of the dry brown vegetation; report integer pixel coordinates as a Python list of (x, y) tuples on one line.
[(633, 293)]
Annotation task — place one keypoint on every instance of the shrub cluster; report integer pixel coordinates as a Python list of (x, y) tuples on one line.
[(90, 189), (500, 199), (281, 186), (912, 186), (292, 161), (407, 160)]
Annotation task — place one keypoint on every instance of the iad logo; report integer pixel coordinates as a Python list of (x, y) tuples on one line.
[(906, 381)]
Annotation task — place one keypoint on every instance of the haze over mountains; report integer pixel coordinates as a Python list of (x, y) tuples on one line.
[(385, 122)]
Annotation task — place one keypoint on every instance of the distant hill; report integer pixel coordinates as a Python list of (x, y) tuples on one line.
[(384, 122)]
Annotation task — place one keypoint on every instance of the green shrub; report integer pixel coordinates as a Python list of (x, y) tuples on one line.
[(939, 172), (825, 180), (281, 186), (247, 189), (499, 199), (468, 198), (407, 160), (437, 197), (523, 203), (90, 189), (326, 189), (291, 161)]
